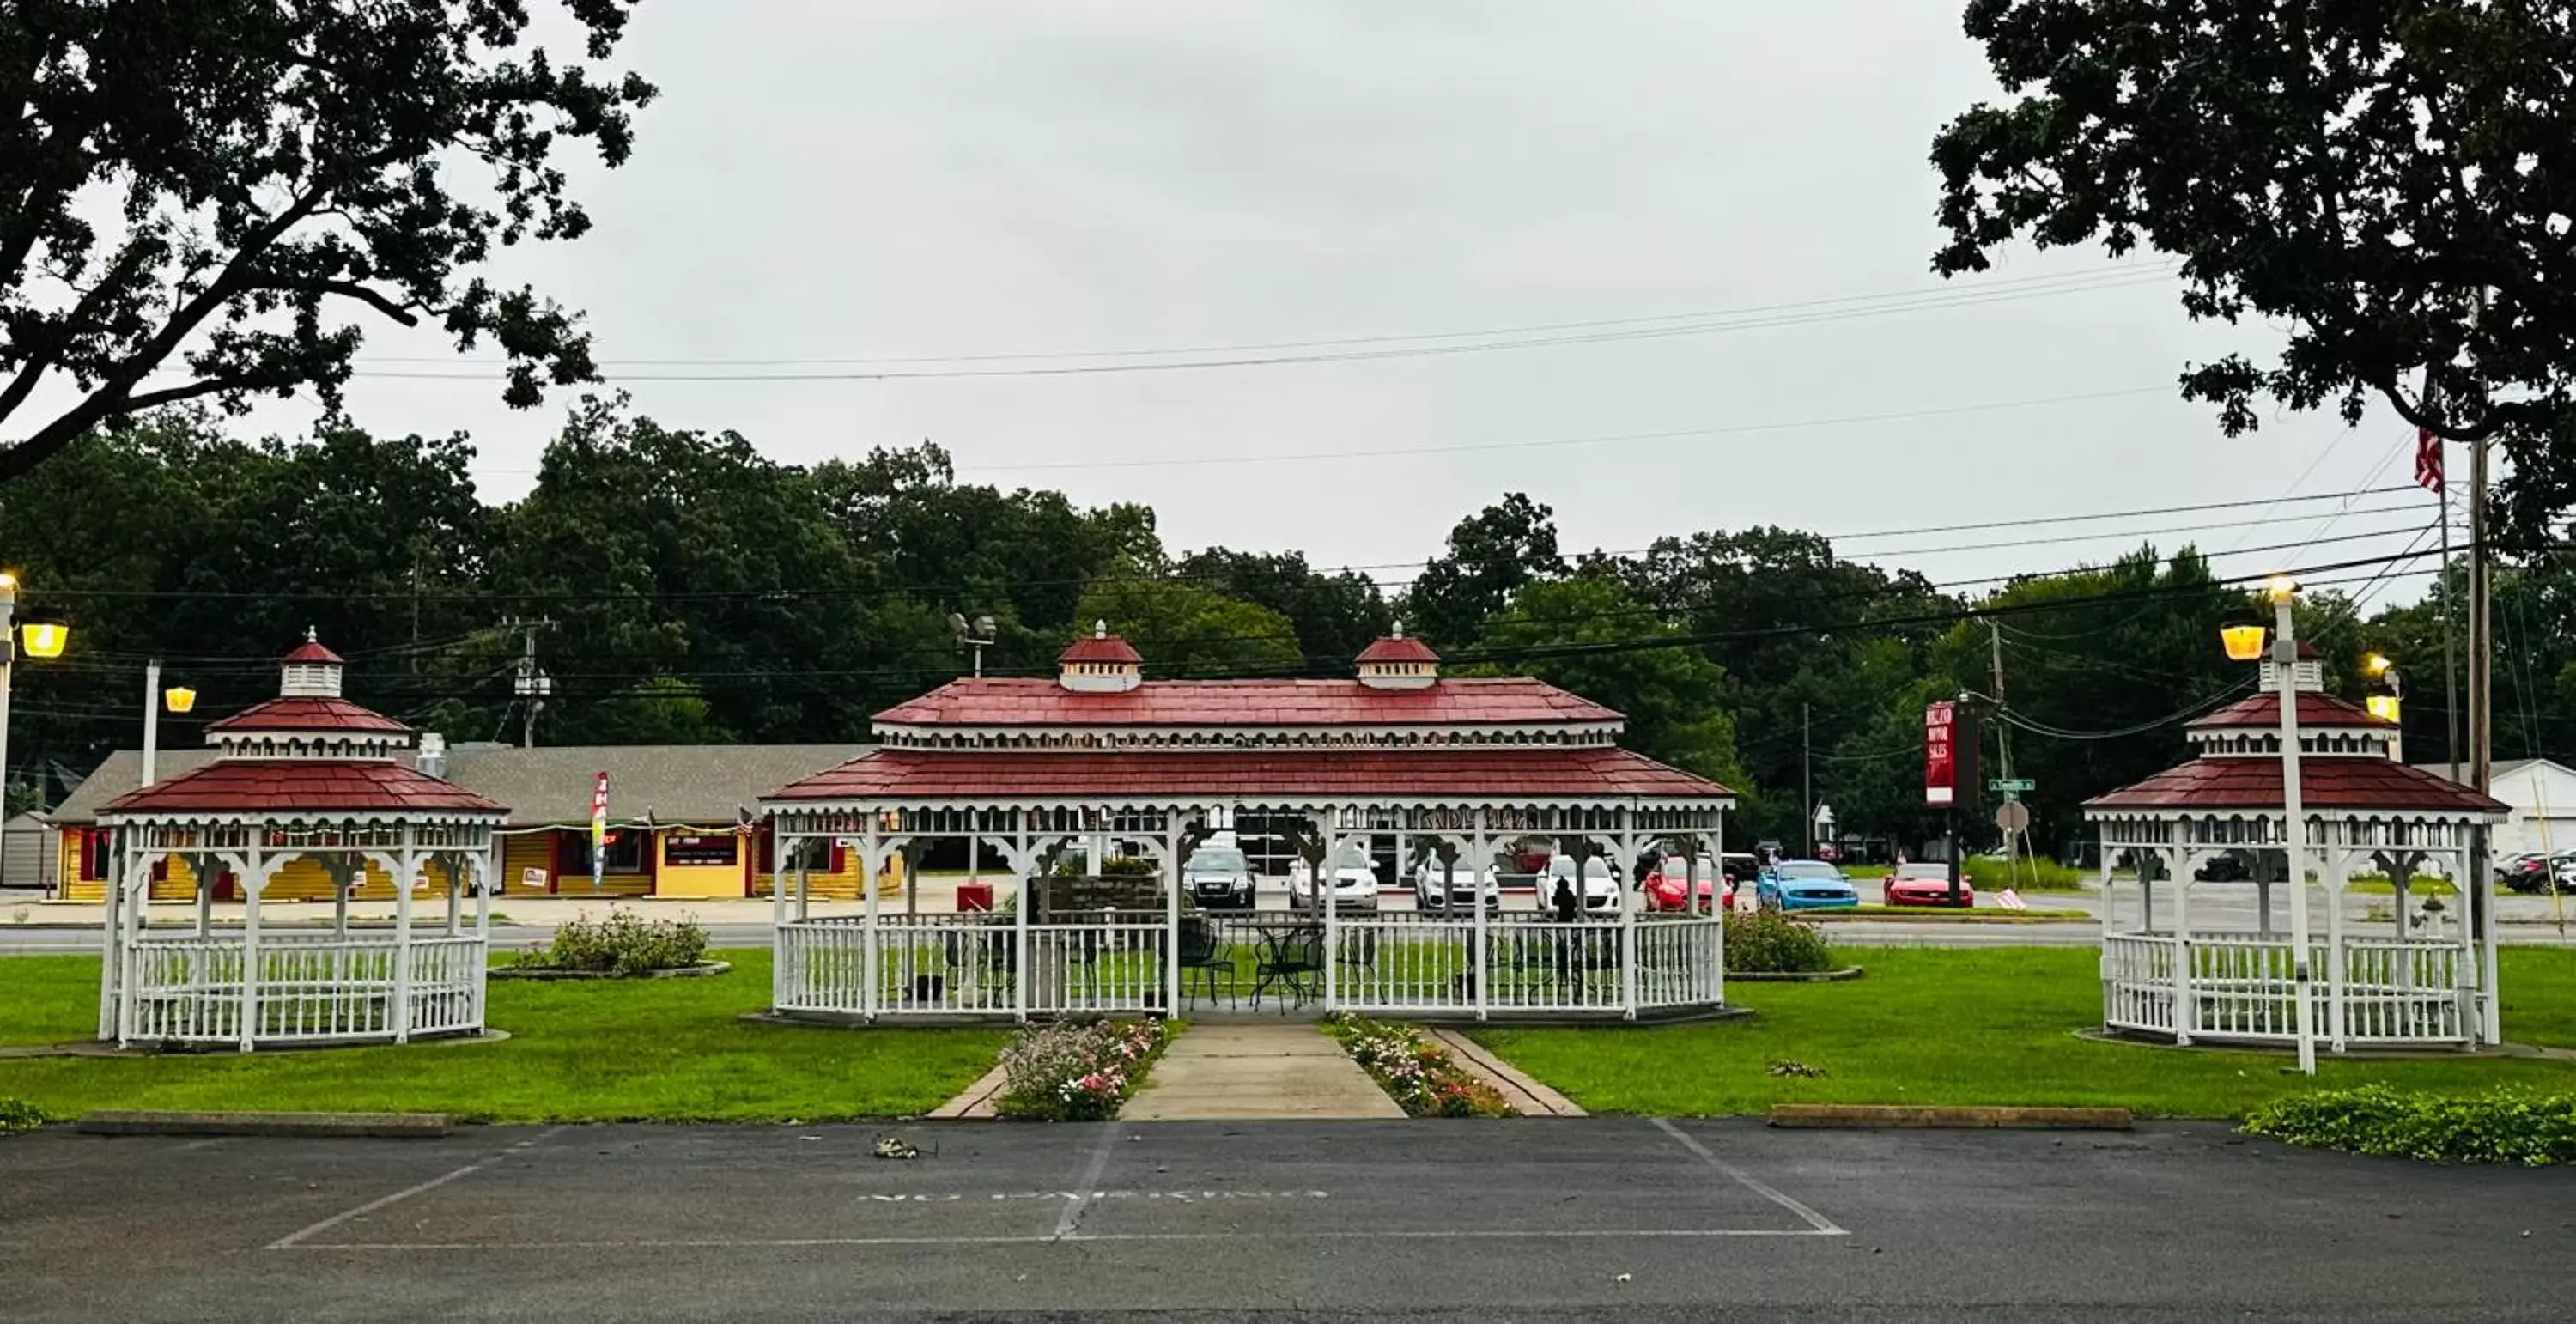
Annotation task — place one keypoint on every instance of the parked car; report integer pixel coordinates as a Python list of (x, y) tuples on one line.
[(1740, 868), (1804, 885), (1924, 885), (1453, 891), (1676, 884), (1600, 890), (2231, 867), (1218, 877), (1353, 884)]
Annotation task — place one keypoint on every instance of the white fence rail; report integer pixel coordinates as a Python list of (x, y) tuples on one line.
[(308, 989), (2244, 987), (982, 966)]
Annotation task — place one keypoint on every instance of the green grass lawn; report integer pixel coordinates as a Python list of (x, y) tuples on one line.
[(1941, 915), (1929, 1026), (661, 1050)]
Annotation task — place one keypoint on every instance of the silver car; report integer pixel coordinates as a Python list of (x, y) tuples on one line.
[(1455, 892)]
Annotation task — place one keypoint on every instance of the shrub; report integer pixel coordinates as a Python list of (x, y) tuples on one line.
[(1077, 1070), (1767, 942), (1415, 1072), (18, 1115), (624, 943), (2500, 1126)]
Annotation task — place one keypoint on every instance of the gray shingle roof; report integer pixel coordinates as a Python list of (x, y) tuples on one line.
[(693, 784)]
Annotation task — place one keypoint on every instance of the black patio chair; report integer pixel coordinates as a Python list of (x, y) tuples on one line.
[(1294, 958), (1202, 952)]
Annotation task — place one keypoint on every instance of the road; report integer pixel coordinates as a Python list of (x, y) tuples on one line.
[(1541, 1219)]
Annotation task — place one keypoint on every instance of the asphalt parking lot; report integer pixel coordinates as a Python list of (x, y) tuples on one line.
[(1528, 1219)]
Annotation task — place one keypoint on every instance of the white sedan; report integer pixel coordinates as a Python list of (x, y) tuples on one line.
[(1601, 894), (1354, 884), (1453, 891)]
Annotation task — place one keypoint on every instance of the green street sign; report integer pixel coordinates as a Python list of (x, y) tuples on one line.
[(2012, 784)]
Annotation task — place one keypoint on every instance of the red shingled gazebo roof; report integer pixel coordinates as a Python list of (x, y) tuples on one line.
[(312, 653), (302, 713), (1537, 774), (1099, 648), (293, 786), (2264, 710), (1397, 648), (2254, 783), (1021, 701)]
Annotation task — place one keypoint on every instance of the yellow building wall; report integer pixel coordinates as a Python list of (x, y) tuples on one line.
[(840, 886), (300, 880), (696, 881), (521, 852)]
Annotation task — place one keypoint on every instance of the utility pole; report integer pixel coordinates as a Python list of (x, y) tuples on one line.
[(1807, 772), (531, 685), (2481, 636), (2003, 734), (2449, 599)]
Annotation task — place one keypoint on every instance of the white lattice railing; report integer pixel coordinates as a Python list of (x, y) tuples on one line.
[(2244, 987), (309, 989), (1376, 963)]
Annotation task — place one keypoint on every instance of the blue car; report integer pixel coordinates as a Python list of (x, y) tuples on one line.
[(1804, 885)]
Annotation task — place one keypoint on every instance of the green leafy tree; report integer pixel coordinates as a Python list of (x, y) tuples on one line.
[(1187, 631), (1585, 634), (660, 711), (210, 188), (2388, 184), (1335, 616), (1492, 553)]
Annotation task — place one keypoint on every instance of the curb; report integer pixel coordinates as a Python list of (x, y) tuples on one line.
[(1794, 976), (541, 974), (383, 1126), (1846, 1116), (976, 1101), (1533, 1098)]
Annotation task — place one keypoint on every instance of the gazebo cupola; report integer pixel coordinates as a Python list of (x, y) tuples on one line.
[(1100, 664), (308, 719), (1394, 662)]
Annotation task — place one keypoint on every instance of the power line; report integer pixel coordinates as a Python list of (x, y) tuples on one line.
[(1372, 348)]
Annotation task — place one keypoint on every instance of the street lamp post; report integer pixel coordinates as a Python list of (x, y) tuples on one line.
[(2244, 643), (44, 639)]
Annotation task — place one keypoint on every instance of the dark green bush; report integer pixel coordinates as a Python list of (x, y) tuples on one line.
[(1767, 942), (19, 1115), (625, 943), (2500, 1126)]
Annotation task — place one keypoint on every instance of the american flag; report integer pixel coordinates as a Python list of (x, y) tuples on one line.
[(2428, 461)]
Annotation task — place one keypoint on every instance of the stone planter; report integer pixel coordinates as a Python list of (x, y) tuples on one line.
[(701, 970), (1793, 976)]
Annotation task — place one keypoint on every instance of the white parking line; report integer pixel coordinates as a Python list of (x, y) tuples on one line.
[(295, 1239), (1824, 1226), (1085, 1189), (1265, 1236)]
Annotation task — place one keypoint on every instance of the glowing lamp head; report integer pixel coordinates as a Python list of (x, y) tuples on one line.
[(2280, 588), (2383, 707), (179, 698), (2244, 643), (45, 638), (2376, 664)]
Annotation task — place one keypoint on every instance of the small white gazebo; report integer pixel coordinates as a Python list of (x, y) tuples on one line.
[(307, 776), (2212, 833)]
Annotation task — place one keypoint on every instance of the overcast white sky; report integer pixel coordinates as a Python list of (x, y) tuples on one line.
[(897, 178)]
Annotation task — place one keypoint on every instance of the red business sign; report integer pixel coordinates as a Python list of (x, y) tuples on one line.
[(1940, 769)]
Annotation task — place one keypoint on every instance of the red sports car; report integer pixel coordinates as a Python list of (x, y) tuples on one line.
[(1925, 885), (1671, 880)]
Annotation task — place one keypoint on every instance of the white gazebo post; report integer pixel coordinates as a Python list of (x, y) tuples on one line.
[(1480, 861), (2186, 1010), (871, 853), (781, 845), (1171, 912), (1024, 877), (254, 881), (2338, 965), (1324, 883), (408, 876), (2490, 1029), (1627, 893)]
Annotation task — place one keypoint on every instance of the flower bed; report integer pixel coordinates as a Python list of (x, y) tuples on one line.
[(625, 943), (1770, 943), (1415, 1072), (1077, 1070)]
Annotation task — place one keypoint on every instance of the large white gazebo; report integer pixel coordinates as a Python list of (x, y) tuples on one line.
[(2424, 975), (310, 777), (1099, 762)]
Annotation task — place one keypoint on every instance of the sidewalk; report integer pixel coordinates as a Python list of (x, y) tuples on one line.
[(1243, 1072)]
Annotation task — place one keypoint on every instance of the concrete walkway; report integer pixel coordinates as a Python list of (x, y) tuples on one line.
[(1233, 1072)]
